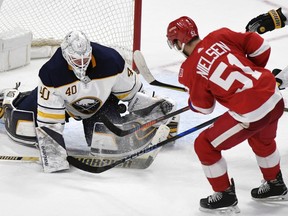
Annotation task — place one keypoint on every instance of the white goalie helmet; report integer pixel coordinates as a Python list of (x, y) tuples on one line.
[(77, 51)]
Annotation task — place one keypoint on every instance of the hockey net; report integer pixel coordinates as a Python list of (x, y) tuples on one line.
[(112, 23)]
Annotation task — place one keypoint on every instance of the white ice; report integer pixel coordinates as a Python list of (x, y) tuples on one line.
[(174, 183)]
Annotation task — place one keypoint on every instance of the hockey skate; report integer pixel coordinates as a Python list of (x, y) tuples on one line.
[(221, 203), (274, 190)]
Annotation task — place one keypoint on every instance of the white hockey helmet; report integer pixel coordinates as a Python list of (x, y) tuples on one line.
[(76, 50)]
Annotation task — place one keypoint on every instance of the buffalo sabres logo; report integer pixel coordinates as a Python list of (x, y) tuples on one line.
[(87, 105)]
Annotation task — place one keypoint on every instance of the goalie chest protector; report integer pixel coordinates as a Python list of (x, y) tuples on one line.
[(15, 46)]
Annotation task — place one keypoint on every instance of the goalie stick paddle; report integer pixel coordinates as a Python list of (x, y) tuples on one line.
[(82, 166), (146, 73), (137, 163), (119, 132), (35, 158)]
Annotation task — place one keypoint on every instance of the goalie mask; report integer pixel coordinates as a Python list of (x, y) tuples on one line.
[(76, 50), (182, 29)]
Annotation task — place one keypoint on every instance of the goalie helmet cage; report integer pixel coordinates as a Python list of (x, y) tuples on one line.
[(115, 24)]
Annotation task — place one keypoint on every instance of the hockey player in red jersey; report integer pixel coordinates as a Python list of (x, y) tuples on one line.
[(229, 68), (83, 80)]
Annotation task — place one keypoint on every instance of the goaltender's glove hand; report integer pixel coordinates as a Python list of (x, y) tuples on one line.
[(274, 19)]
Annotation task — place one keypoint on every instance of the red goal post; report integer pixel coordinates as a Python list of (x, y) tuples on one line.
[(112, 23)]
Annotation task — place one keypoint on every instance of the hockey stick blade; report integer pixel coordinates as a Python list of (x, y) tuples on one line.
[(119, 132), (82, 166), (146, 73)]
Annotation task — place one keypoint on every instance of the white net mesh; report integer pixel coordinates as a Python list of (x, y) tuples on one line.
[(107, 22)]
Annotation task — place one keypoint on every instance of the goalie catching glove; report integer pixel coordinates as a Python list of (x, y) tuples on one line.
[(274, 19), (151, 108)]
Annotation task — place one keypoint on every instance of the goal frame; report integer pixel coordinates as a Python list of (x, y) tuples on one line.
[(43, 47)]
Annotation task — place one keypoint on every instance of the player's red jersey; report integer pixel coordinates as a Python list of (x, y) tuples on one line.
[(228, 67)]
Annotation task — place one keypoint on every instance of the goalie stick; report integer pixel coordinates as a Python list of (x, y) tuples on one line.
[(20, 158), (142, 162), (119, 132), (82, 166), (146, 73), (137, 163)]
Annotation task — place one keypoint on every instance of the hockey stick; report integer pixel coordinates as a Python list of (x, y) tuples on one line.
[(20, 158), (119, 132), (138, 163), (82, 166), (146, 73), (35, 158)]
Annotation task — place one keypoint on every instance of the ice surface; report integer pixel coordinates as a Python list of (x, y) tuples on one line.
[(174, 183)]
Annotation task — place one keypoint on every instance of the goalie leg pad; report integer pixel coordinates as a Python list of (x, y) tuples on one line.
[(20, 126), (281, 77), (107, 144), (52, 150), (151, 108), (161, 135), (173, 125), (107, 141)]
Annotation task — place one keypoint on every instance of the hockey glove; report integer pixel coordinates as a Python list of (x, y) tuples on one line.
[(274, 19)]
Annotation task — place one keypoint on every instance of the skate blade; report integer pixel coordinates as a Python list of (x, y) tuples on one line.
[(273, 198), (231, 210)]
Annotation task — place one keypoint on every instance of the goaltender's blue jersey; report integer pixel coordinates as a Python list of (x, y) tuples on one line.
[(59, 90), (56, 72)]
